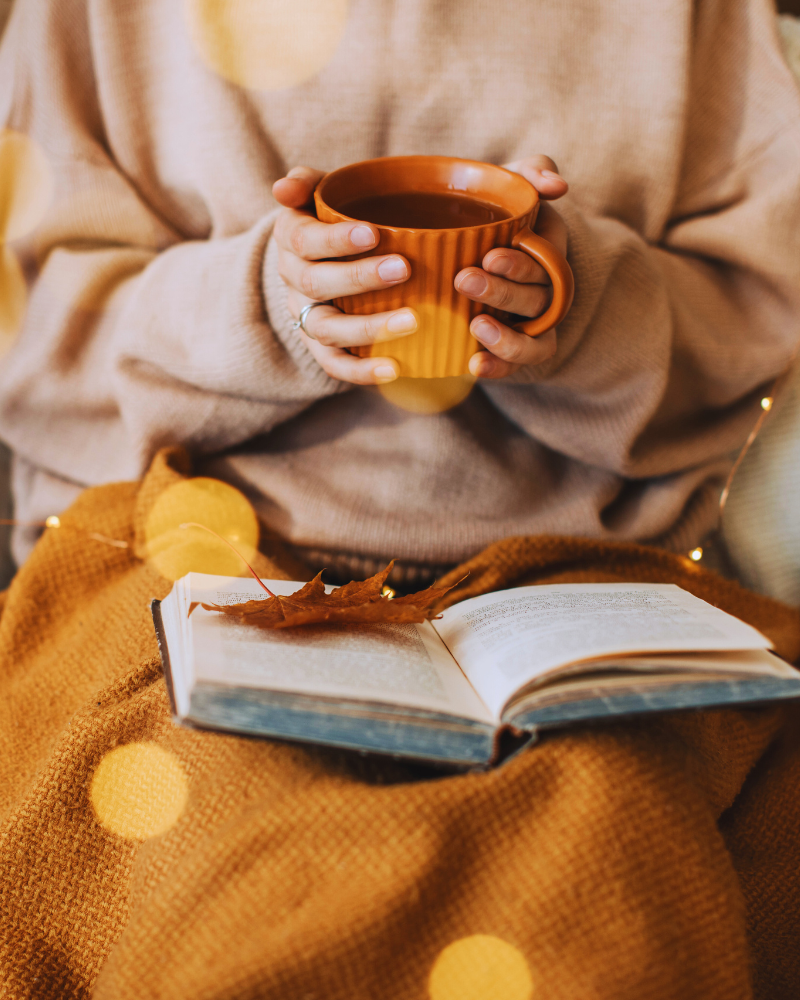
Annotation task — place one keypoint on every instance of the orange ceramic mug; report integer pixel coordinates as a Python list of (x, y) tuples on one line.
[(442, 344)]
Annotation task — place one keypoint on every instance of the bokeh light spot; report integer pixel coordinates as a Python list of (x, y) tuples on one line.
[(176, 551), (266, 44), (428, 395), (441, 346), (13, 298), (139, 790), (26, 185), (480, 967)]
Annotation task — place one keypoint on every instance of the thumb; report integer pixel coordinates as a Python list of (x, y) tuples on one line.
[(542, 172), (296, 189)]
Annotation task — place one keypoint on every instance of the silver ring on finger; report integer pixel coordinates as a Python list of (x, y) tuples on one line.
[(300, 324)]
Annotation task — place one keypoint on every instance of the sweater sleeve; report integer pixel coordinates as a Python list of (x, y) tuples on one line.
[(675, 334), (137, 334)]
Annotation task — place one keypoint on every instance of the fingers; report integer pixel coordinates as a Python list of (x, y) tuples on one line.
[(514, 265), (295, 190), (346, 368), (523, 299), (331, 279), (301, 234), (512, 280), (542, 172), (330, 327), (507, 349)]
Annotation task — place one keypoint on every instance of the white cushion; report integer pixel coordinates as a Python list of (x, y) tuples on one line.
[(761, 523)]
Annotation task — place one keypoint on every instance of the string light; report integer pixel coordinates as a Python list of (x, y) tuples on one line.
[(696, 554), (388, 593), (54, 521), (766, 406)]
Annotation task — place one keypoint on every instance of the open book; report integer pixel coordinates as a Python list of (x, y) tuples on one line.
[(513, 661)]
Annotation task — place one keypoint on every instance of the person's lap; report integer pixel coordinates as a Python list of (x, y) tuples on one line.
[(150, 860)]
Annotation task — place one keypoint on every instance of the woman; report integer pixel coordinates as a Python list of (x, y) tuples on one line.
[(161, 314)]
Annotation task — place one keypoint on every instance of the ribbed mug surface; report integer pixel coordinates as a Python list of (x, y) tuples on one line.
[(442, 345)]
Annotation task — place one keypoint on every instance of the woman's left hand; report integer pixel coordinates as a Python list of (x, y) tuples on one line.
[(512, 281)]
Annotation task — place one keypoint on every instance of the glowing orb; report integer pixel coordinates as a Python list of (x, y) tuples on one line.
[(266, 44), (480, 967), (176, 551), (26, 185), (428, 395), (139, 791), (13, 298), (441, 346)]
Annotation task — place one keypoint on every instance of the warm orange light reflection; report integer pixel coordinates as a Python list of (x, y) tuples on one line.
[(13, 298), (266, 44), (139, 791), (428, 395), (176, 551), (26, 185), (480, 967)]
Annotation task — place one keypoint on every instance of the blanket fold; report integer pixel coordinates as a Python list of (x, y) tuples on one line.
[(652, 859)]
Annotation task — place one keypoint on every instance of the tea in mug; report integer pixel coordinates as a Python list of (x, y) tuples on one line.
[(424, 210)]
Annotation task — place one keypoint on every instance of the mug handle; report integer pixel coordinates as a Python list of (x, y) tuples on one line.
[(560, 274)]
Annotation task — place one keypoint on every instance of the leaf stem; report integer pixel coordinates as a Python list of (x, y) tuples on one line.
[(256, 577)]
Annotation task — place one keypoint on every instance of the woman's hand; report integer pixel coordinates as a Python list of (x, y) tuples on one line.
[(508, 279), (305, 246), (512, 281)]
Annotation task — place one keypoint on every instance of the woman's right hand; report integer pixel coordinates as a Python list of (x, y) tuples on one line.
[(305, 248)]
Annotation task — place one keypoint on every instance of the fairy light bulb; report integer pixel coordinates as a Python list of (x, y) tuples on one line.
[(766, 403), (53, 522), (696, 554)]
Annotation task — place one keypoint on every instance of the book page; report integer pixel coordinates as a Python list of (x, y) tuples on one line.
[(402, 664), (504, 640)]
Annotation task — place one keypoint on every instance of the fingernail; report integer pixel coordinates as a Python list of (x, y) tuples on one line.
[(385, 373), (473, 284), (552, 174), (392, 269), (485, 331), (402, 322), (502, 265), (362, 236)]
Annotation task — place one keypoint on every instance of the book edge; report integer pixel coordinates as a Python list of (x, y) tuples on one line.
[(163, 652)]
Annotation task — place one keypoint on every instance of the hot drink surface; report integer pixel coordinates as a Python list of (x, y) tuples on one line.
[(424, 210)]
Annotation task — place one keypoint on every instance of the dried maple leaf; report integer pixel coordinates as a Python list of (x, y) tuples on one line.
[(358, 602)]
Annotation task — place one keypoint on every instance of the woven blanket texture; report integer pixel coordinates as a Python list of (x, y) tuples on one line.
[(656, 859)]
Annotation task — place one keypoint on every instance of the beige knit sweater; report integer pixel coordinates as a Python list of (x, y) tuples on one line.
[(678, 128)]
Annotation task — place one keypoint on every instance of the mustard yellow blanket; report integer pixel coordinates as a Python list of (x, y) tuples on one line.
[(650, 859)]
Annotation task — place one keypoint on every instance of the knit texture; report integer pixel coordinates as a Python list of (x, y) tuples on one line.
[(142, 860), (157, 314)]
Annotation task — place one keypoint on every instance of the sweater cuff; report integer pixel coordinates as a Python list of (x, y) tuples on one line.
[(581, 246)]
